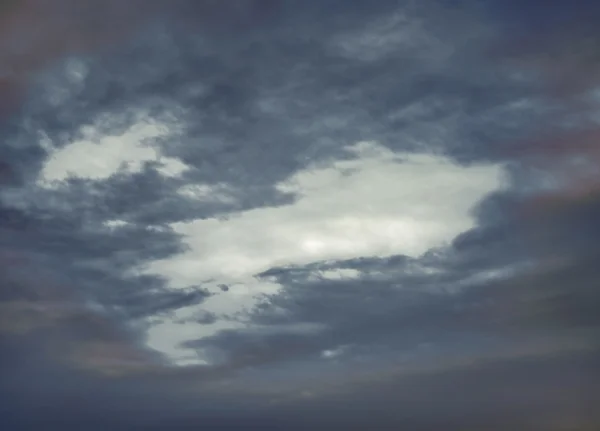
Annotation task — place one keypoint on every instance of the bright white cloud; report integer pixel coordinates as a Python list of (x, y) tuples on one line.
[(99, 157), (376, 203)]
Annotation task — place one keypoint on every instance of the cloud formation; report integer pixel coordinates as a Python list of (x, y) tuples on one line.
[(375, 204), (297, 214)]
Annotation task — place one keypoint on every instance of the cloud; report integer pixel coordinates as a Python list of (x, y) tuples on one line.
[(100, 159), (554, 44), (367, 218), (376, 203)]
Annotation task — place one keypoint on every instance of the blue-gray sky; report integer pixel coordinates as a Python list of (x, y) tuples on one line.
[(299, 214)]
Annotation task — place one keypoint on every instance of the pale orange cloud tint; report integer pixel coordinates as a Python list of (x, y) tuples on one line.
[(564, 58), (565, 62), (573, 160), (35, 33)]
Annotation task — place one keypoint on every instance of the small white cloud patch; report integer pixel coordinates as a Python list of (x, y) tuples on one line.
[(206, 192), (333, 353), (336, 274), (115, 224), (99, 157), (376, 204)]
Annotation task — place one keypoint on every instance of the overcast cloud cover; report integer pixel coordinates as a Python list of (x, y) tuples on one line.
[(268, 214)]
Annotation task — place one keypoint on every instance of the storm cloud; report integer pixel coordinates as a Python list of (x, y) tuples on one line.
[(298, 214)]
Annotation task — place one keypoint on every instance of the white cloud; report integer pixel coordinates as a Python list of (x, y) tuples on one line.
[(115, 224), (206, 192), (336, 274), (376, 203), (333, 353), (99, 157)]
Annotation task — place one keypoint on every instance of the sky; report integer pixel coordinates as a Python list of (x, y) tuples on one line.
[(289, 215)]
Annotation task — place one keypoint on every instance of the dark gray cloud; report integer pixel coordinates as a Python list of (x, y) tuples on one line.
[(511, 393), (254, 91)]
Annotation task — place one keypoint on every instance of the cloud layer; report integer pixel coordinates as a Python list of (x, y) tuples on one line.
[(298, 214)]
